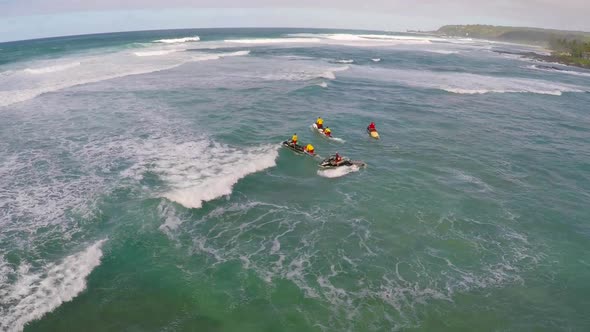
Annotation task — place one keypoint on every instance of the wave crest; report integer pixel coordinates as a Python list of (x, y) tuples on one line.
[(178, 40), (36, 293), (273, 40), (155, 53), (200, 171), (466, 83)]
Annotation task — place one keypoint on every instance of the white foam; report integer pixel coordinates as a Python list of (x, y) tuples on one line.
[(304, 73), (237, 53), (329, 74), (19, 86), (446, 52), (178, 40), (273, 40), (276, 246), (367, 39), (413, 39), (562, 71), (554, 92), (200, 171), (217, 56), (338, 171), (376, 60), (52, 68), (323, 84), (171, 220), (465, 83), (155, 53), (344, 61), (228, 170), (36, 293)]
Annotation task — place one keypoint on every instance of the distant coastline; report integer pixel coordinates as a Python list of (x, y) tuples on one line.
[(567, 47)]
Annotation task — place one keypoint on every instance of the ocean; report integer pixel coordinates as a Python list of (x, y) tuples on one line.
[(143, 186)]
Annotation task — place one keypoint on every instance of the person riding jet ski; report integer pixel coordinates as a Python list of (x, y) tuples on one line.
[(320, 123)]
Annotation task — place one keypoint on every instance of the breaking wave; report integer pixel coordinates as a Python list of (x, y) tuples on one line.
[(178, 40), (465, 83), (273, 40), (37, 292), (51, 69)]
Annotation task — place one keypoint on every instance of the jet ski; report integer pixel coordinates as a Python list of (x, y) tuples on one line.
[(331, 163), (320, 131), (297, 148)]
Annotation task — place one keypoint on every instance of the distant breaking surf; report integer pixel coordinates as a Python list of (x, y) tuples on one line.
[(178, 40), (273, 40)]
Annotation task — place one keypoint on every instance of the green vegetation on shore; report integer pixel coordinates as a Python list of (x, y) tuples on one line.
[(574, 51), (569, 47)]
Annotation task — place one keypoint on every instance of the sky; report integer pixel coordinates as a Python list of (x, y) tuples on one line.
[(26, 19)]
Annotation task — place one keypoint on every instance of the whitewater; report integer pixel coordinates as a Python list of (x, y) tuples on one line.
[(143, 184)]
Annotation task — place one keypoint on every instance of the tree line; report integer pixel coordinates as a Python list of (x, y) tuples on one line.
[(576, 48)]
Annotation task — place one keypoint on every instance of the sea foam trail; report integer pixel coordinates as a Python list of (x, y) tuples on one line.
[(464, 83), (36, 293), (178, 40), (337, 172)]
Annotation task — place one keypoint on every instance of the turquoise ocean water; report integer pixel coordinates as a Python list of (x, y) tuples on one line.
[(143, 186)]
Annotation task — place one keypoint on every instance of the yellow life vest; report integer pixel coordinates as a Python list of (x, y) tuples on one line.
[(309, 148), (294, 138), (320, 121), (327, 131)]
